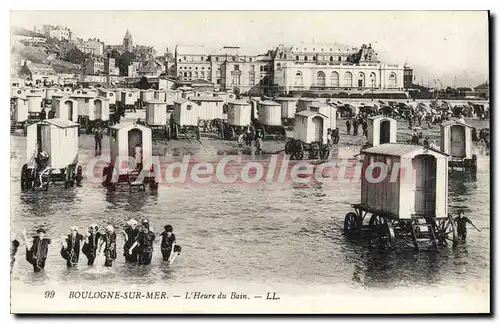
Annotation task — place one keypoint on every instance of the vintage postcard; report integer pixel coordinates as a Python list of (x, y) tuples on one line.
[(238, 162)]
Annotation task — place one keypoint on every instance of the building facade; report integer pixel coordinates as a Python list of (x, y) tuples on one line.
[(333, 68), (93, 46), (133, 69), (191, 63), (27, 37), (94, 66), (407, 78), (38, 73), (303, 67), (58, 32), (110, 67)]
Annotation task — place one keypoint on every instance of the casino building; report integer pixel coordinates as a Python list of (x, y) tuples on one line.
[(317, 68), (333, 68)]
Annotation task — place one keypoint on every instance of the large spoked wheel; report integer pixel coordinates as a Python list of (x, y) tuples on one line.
[(232, 132), (175, 132), (314, 152), (382, 230), (352, 223), (446, 232), (289, 148), (325, 153), (298, 151), (26, 180), (197, 133)]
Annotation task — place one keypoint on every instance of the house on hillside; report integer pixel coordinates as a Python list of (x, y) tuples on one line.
[(483, 90), (27, 37), (38, 73)]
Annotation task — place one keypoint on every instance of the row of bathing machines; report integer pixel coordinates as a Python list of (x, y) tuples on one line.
[(188, 108)]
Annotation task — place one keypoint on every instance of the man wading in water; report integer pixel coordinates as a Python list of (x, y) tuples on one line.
[(37, 254), (462, 221)]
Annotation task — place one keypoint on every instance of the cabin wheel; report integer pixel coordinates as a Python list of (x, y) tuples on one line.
[(352, 223), (446, 231), (289, 148), (325, 153), (79, 175), (26, 180), (382, 231), (176, 132), (232, 132), (299, 151), (153, 185)]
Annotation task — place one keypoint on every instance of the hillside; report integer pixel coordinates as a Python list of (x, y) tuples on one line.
[(41, 55)]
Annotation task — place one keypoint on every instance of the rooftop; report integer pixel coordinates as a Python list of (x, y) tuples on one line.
[(62, 123), (308, 113), (395, 149)]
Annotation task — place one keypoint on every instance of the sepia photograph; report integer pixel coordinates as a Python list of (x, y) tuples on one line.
[(250, 162)]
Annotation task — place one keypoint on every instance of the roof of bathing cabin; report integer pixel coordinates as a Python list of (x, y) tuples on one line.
[(269, 103), (181, 101), (308, 113), (401, 150), (454, 122), (61, 123), (239, 102), (127, 125), (206, 98), (156, 102), (379, 117)]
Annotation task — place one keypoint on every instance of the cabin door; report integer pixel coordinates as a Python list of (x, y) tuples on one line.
[(39, 137), (457, 141), (69, 109), (385, 131), (425, 185), (317, 123), (97, 109), (135, 146)]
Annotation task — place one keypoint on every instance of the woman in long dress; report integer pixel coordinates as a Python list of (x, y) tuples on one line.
[(145, 243), (37, 254), (130, 235), (90, 248), (70, 249), (108, 246)]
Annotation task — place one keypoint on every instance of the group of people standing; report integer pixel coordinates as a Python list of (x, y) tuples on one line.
[(138, 247), (356, 121)]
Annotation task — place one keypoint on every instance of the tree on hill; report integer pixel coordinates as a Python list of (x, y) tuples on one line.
[(75, 56), (124, 61)]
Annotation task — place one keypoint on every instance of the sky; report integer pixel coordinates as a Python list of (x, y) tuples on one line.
[(451, 46)]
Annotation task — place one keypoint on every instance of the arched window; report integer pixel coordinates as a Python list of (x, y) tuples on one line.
[(348, 79), (393, 80), (373, 80), (298, 78), (305, 58), (340, 59), (334, 79), (285, 57), (331, 58), (297, 57), (321, 79), (361, 80)]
